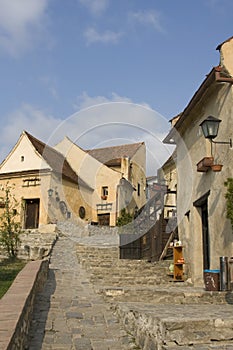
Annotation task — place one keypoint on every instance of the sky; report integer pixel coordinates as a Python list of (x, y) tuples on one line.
[(104, 72)]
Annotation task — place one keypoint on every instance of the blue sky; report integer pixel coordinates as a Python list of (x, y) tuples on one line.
[(60, 58)]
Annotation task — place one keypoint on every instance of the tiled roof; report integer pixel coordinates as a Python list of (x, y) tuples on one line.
[(55, 159), (111, 155)]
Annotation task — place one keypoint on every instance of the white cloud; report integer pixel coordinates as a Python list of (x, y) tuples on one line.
[(84, 100), (99, 122), (106, 37), (102, 121), (50, 84), (96, 7), (222, 7), (20, 23), (148, 18), (28, 118)]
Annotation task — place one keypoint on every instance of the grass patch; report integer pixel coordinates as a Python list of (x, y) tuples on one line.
[(9, 268)]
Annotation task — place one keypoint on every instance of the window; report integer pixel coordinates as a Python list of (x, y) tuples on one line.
[(105, 191), (139, 189), (82, 212), (31, 182), (22, 158)]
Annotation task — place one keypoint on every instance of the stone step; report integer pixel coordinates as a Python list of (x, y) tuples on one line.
[(215, 345), (172, 327), (116, 275), (123, 282), (126, 271), (164, 294), (159, 313), (97, 256), (95, 250)]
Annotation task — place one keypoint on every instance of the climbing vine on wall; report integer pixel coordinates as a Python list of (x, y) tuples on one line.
[(229, 199)]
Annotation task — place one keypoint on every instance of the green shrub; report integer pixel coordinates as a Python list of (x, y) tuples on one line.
[(229, 199), (124, 219), (10, 228)]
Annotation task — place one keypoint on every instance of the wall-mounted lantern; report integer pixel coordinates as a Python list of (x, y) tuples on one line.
[(210, 128), (50, 192)]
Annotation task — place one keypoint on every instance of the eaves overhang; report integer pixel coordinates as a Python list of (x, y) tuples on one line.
[(225, 41), (214, 76)]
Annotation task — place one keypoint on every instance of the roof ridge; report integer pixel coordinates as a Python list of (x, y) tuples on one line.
[(106, 154), (33, 138), (116, 146), (58, 164)]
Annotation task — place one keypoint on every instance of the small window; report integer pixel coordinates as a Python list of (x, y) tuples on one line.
[(105, 191), (139, 189), (22, 158), (82, 212)]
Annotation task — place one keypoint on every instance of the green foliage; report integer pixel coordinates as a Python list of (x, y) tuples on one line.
[(124, 219), (10, 228), (229, 199), (9, 268)]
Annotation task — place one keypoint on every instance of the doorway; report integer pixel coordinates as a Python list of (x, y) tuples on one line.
[(32, 213), (205, 236), (104, 219), (202, 204)]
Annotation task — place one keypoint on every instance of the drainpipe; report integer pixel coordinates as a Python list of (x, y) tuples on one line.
[(117, 190)]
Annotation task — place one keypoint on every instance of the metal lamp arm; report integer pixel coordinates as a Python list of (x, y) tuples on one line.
[(224, 142)]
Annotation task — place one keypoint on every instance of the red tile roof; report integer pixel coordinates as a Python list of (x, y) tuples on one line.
[(112, 155), (55, 160)]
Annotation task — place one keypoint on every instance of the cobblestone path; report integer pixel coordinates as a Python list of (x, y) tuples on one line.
[(69, 314)]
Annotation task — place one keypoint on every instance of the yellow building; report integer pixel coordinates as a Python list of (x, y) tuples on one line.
[(201, 205), (67, 183), (117, 175), (44, 183)]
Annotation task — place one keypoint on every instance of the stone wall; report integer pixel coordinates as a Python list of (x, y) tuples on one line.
[(71, 229), (36, 244), (16, 306)]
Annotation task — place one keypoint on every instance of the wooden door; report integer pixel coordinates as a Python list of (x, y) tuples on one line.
[(205, 236), (202, 204), (32, 213), (104, 219)]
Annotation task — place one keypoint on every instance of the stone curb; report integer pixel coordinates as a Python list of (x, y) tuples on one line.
[(16, 306)]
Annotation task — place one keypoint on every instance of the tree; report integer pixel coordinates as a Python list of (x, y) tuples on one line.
[(229, 199), (124, 219), (10, 228)]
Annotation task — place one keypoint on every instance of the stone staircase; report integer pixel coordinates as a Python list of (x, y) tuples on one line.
[(159, 313), (106, 268)]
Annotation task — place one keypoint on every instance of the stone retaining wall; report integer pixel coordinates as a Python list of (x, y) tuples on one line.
[(69, 228), (35, 244), (16, 306)]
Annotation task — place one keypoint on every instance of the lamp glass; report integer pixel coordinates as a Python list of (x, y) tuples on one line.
[(210, 127), (50, 192)]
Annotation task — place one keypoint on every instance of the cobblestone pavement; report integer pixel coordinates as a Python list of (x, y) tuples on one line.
[(68, 314)]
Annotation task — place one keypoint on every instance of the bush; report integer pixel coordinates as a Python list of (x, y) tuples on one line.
[(124, 219), (229, 199), (10, 228)]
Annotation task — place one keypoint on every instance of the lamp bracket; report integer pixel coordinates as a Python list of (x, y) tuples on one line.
[(223, 142)]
